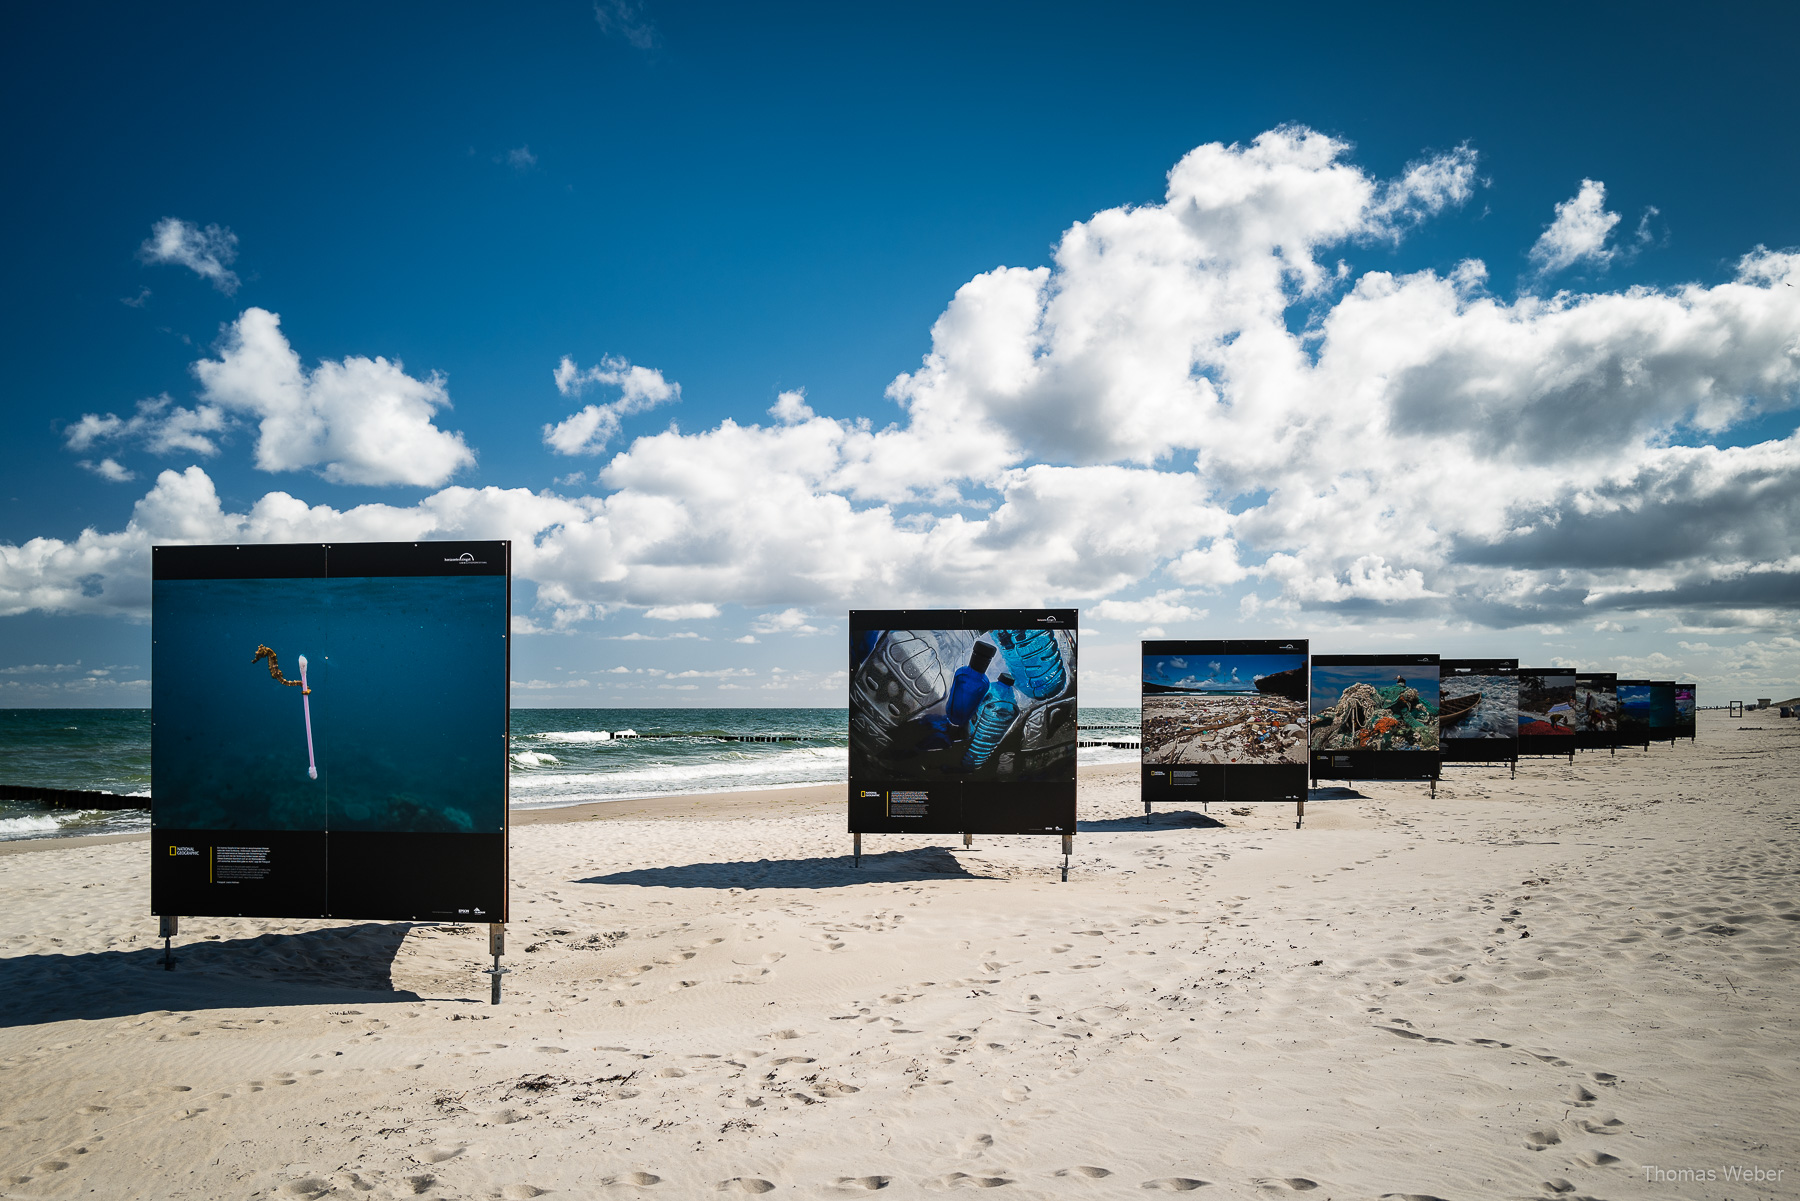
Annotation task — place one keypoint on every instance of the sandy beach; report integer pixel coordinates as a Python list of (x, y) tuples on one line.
[(1524, 988)]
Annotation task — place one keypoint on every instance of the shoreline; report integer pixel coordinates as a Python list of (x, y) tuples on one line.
[(773, 801)]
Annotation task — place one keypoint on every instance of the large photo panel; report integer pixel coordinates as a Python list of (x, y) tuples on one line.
[(328, 730), (1546, 710), (1662, 711), (1596, 709), (1478, 714), (1375, 717), (963, 720), (1687, 701), (1634, 712), (1224, 719)]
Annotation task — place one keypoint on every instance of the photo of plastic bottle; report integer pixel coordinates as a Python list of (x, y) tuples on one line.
[(969, 685), (1034, 660), (992, 720)]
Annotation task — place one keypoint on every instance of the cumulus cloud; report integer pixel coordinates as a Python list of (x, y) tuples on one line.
[(1192, 395), (207, 252), (160, 426), (361, 421), (588, 431), (1579, 232)]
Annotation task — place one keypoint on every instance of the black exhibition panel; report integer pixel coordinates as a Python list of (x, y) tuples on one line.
[(1635, 698), (1224, 720), (1687, 701), (962, 721), (1478, 717), (1596, 710), (329, 730), (1547, 711), (1662, 711), (1374, 717)]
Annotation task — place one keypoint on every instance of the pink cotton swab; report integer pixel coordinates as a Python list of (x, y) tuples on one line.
[(312, 765)]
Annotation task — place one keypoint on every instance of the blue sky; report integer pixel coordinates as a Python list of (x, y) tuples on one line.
[(1222, 672), (1213, 425)]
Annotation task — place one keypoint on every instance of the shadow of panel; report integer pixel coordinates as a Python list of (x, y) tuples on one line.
[(923, 863), (1160, 819), (316, 967)]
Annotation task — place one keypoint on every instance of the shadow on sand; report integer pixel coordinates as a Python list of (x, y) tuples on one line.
[(1160, 819), (318, 967), (921, 863)]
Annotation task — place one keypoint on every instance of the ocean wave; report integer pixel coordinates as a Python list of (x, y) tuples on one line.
[(534, 759), (25, 827), (576, 736)]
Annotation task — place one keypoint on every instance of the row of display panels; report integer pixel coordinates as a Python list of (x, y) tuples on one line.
[(1256, 720), (965, 721)]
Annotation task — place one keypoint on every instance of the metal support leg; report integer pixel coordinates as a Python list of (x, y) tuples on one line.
[(1068, 845), (856, 850), (496, 948), (1299, 812), (168, 926), (968, 839)]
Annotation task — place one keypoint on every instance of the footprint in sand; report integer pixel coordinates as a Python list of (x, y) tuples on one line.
[(871, 1183), (636, 1179), (745, 1184), (1599, 1159), (1174, 1184), (415, 1184), (1537, 1140), (439, 1154), (522, 1192), (1092, 1173), (1296, 1184), (975, 1144), (671, 1073), (306, 1186), (1559, 1185), (964, 1180)]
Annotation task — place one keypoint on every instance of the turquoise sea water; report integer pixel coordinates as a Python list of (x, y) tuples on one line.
[(557, 756)]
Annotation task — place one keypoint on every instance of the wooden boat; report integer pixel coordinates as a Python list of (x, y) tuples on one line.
[(1457, 708)]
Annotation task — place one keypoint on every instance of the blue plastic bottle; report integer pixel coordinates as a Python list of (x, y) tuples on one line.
[(1034, 659), (969, 685), (992, 720)]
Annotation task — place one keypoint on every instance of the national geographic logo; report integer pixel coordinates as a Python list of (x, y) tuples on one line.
[(175, 850)]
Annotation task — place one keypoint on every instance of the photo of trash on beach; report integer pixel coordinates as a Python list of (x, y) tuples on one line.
[(1224, 709), (1381, 707), (1547, 702), (963, 704), (1478, 706)]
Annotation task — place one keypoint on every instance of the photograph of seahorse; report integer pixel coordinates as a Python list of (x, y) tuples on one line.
[(1385, 707), (963, 704), (394, 723)]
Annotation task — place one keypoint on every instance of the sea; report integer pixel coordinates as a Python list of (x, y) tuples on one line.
[(558, 756)]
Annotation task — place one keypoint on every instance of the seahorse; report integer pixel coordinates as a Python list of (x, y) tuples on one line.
[(263, 652)]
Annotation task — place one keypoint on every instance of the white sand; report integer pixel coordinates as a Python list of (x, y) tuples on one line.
[(1521, 989)]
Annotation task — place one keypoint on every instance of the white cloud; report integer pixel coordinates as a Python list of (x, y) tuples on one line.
[(207, 252), (747, 639), (160, 426), (788, 621), (625, 19), (521, 159), (1163, 607), (588, 431), (361, 421), (1142, 414), (695, 611), (1579, 232), (790, 408), (110, 469)]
